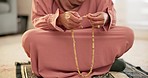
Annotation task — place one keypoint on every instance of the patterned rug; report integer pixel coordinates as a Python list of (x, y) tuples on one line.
[(23, 70)]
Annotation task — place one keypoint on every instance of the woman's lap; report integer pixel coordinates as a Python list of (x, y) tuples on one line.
[(108, 45)]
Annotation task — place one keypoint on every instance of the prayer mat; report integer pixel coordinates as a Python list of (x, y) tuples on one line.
[(23, 70)]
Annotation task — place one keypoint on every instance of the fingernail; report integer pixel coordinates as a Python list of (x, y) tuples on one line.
[(99, 26), (91, 14), (81, 18)]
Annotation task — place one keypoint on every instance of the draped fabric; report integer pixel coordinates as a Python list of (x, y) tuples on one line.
[(69, 4)]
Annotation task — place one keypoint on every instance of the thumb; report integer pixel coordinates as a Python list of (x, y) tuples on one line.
[(76, 14)]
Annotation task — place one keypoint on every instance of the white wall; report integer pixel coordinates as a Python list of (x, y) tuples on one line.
[(133, 13), (24, 8), (121, 11)]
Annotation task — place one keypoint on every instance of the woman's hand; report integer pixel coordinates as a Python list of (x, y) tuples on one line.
[(98, 19), (70, 20)]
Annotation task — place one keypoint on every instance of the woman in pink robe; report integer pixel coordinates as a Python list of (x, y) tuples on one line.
[(50, 45)]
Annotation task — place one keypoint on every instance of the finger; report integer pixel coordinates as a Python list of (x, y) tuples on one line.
[(98, 18), (67, 26), (95, 14), (76, 14), (90, 15), (72, 24), (75, 25), (97, 23), (75, 18)]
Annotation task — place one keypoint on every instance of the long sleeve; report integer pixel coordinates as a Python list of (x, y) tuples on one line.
[(107, 6), (42, 15)]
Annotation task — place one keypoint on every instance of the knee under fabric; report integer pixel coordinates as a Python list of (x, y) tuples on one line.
[(118, 65)]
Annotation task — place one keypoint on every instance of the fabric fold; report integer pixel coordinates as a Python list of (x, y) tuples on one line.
[(52, 19)]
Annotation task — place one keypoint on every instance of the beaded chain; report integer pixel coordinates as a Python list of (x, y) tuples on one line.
[(76, 58)]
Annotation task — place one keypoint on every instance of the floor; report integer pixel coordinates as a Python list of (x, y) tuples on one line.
[(11, 52)]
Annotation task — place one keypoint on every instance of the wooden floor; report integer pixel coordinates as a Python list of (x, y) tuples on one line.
[(11, 51)]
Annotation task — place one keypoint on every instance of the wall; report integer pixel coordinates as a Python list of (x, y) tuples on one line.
[(133, 13), (24, 8), (120, 7)]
